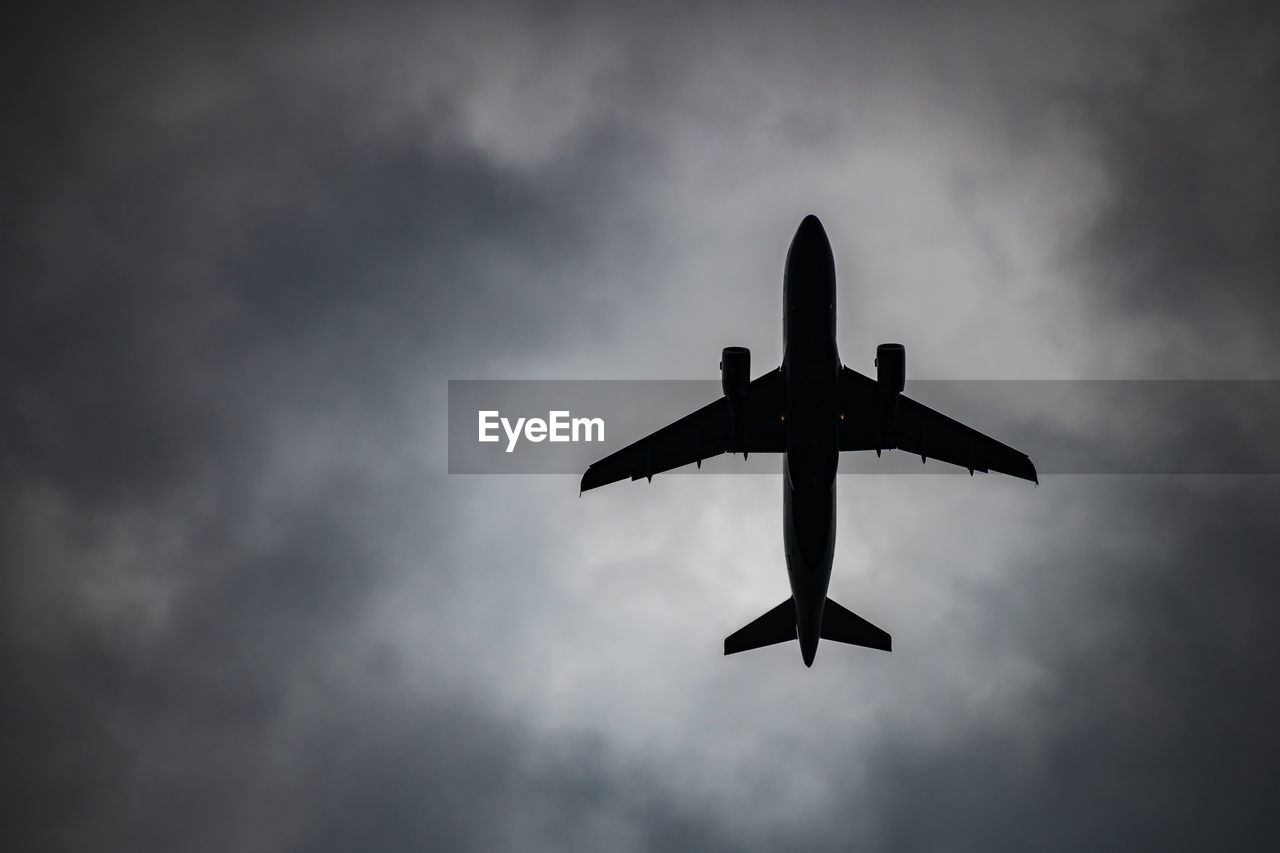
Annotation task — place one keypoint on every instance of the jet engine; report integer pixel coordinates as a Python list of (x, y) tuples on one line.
[(891, 368), (735, 371), (735, 376)]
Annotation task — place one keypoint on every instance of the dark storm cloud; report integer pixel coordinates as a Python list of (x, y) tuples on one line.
[(228, 279), (408, 782), (192, 303), (1153, 726), (147, 728), (1192, 230), (158, 302)]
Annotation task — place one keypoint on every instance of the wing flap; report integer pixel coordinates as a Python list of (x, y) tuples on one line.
[(874, 420), (700, 435)]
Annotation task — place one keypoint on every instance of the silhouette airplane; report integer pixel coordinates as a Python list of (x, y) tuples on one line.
[(809, 409)]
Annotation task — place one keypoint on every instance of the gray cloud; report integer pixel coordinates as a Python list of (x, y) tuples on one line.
[(244, 608), (1150, 727), (1190, 233)]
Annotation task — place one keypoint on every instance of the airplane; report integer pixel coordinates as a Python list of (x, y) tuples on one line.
[(810, 409)]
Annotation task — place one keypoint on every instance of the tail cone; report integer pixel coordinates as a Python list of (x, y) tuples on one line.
[(808, 650)]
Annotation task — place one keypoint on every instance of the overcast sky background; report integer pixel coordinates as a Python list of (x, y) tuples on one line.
[(246, 608)]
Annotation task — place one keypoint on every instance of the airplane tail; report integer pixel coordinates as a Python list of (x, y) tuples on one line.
[(779, 626), (844, 626)]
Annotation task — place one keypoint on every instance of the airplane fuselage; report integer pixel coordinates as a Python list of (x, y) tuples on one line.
[(811, 364)]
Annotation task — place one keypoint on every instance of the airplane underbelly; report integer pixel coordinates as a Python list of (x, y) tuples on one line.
[(809, 526)]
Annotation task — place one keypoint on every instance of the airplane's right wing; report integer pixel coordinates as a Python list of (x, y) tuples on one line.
[(707, 432), (873, 420)]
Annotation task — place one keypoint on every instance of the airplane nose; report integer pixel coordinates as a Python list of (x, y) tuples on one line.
[(810, 254), (810, 229), (811, 238)]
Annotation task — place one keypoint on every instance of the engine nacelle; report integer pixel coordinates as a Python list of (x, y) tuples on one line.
[(891, 368), (735, 371)]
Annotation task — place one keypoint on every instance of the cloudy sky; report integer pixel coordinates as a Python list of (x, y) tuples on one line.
[(245, 607)]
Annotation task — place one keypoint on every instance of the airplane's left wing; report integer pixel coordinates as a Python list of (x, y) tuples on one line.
[(873, 420), (708, 432)]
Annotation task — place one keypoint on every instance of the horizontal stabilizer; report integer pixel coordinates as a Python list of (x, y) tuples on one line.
[(844, 626), (776, 626)]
